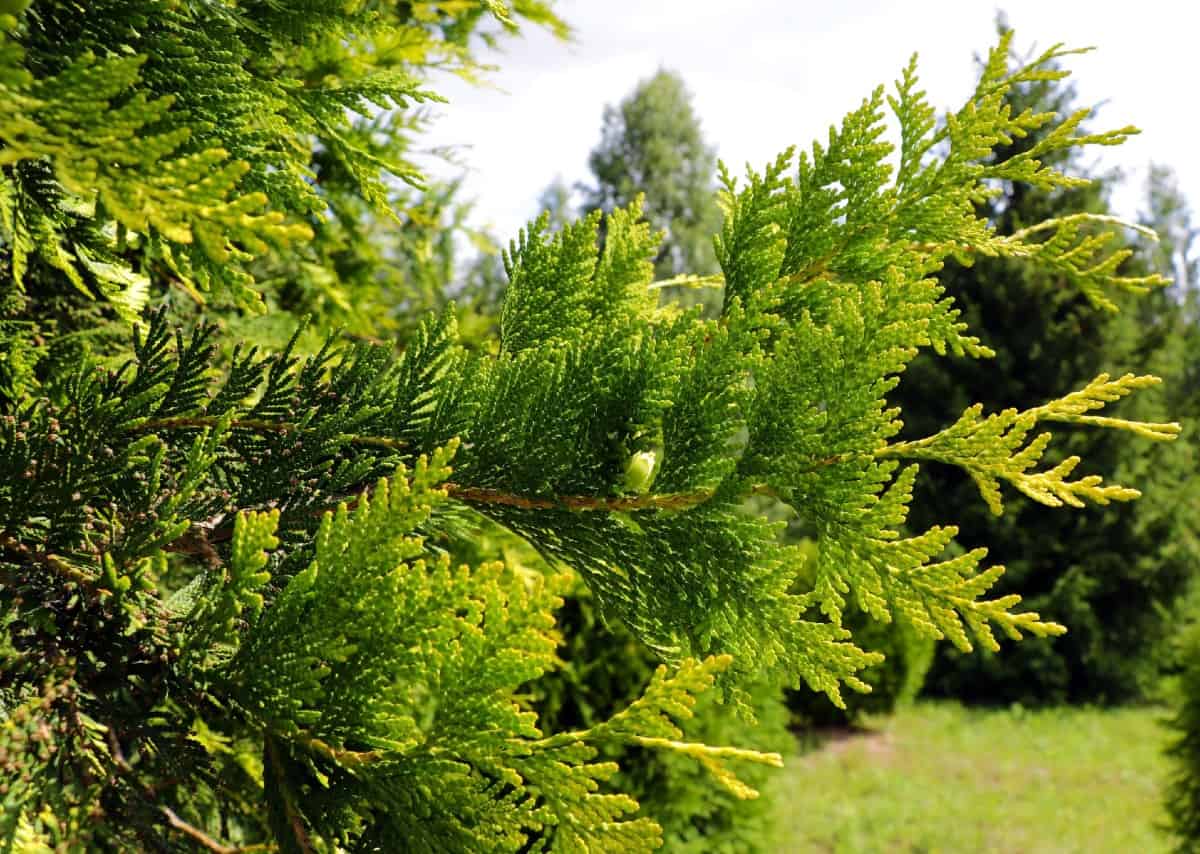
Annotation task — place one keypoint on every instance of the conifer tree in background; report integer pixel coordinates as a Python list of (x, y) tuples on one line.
[(244, 598), (1113, 577), (651, 145), (1168, 213)]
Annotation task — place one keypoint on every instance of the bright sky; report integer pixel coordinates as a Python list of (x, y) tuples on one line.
[(769, 73)]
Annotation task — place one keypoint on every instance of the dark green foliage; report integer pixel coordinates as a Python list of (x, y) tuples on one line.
[(1114, 575), (1183, 792), (1168, 213)]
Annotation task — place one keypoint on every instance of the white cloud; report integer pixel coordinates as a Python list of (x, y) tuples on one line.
[(767, 74)]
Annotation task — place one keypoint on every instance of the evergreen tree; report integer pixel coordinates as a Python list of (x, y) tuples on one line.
[(1119, 590), (242, 605), (1168, 213), (651, 145)]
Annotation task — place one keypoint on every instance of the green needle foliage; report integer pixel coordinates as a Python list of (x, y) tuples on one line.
[(240, 600), (1118, 577)]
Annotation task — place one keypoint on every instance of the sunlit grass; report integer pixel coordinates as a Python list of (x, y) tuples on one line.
[(938, 778)]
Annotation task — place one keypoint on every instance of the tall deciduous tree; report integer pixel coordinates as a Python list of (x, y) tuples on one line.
[(651, 144), (1168, 214)]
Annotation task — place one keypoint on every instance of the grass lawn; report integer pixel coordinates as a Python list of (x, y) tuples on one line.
[(937, 777)]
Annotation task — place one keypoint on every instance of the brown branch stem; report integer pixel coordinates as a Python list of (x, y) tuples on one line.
[(259, 425), (207, 841), (928, 248), (23, 554), (613, 504), (118, 757), (199, 539)]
